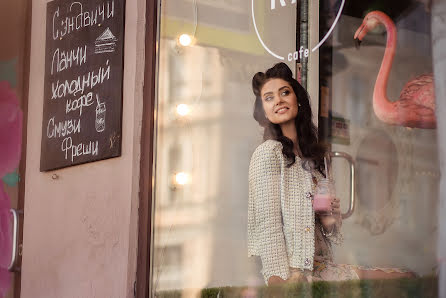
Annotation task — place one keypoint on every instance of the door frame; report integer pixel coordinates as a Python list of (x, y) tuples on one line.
[(142, 285)]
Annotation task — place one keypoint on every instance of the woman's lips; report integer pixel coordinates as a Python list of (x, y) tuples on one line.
[(282, 110)]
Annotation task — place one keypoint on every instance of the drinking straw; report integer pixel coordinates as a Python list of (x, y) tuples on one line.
[(97, 99), (326, 168)]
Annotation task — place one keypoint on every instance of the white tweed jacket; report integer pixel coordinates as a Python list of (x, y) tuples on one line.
[(281, 219)]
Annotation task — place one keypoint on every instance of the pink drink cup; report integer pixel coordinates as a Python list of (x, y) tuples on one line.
[(322, 202)]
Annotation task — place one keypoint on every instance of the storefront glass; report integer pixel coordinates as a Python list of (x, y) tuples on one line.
[(380, 116)]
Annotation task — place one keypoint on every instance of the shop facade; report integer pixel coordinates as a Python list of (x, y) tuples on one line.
[(168, 212)]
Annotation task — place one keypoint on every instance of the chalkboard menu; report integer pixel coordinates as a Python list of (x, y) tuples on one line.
[(82, 111)]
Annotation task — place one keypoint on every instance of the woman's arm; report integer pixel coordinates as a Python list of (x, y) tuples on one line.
[(264, 193)]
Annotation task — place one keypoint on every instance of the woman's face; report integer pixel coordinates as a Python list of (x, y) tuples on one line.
[(279, 101)]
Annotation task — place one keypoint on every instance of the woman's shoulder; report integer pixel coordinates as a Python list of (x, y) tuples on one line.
[(269, 150), (269, 146)]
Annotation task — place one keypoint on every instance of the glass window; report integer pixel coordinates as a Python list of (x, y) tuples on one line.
[(365, 105), (382, 91)]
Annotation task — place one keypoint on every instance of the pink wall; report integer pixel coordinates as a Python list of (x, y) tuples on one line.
[(80, 230)]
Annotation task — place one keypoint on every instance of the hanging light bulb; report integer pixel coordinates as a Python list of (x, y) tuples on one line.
[(185, 40), (183, 109), (181, 178)]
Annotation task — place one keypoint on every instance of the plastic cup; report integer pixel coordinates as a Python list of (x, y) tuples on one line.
[(322, 202), (324, 196)]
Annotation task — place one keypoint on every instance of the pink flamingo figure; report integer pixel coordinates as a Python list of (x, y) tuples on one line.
[(416, 104), (10, 145)]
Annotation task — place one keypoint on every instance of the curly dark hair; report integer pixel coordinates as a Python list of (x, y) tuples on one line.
[(306, 130)]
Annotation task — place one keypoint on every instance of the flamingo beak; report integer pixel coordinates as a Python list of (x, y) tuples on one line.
[(358, 36)]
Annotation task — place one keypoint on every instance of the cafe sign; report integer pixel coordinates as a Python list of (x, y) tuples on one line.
[(301, 53)]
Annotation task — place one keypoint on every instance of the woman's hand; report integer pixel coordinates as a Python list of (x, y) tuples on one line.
[(275, 280), (328, 219), (296, 276), (336, 206), (335, 209)]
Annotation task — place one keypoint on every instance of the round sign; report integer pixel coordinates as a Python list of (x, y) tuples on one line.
[(296, 54)]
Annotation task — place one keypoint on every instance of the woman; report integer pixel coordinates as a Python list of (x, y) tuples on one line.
[(292, 241)]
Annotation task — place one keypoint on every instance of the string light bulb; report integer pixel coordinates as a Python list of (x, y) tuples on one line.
[(181, 178), (183, 109), (185, 40)]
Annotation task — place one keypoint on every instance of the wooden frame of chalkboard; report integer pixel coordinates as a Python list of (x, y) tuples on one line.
[(84, 61)]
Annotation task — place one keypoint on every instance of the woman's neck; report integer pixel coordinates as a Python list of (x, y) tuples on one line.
[(289, 131)]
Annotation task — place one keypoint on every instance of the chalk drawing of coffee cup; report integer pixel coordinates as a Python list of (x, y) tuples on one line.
[(100, 117)]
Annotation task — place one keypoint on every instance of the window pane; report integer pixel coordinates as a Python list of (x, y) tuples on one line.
[(209, 52)]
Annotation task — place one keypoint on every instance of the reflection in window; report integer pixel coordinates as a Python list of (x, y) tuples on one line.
[(203, 222), (392, 226)]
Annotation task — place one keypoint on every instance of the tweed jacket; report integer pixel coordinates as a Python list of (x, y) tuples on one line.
[(281, 220)]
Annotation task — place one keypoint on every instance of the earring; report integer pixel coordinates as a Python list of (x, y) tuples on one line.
[(299, 104)]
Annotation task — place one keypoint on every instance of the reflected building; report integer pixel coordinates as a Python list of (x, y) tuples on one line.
[(188, 171), (200, 234)]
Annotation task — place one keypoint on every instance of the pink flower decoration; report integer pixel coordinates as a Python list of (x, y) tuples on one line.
[(10, 129)]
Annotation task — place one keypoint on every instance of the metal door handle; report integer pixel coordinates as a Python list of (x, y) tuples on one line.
[(15, 236), (350, 160)]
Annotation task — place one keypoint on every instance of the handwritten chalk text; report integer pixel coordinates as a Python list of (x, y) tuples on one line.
[(79, 103), (62, 128), (65, 25), (65, 59), (77, 150), (79, 84)]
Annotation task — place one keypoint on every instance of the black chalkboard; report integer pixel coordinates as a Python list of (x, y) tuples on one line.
[(82, 111)]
